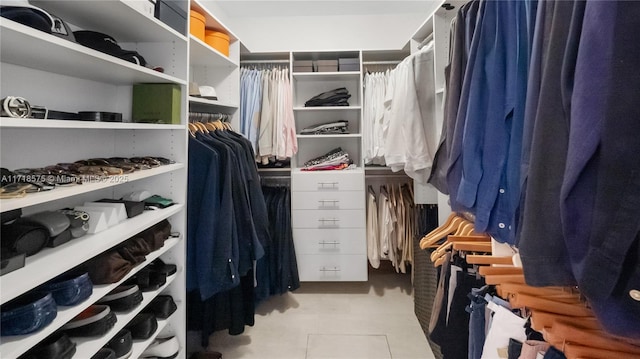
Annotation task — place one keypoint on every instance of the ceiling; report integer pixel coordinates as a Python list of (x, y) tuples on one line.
[(259, 8)]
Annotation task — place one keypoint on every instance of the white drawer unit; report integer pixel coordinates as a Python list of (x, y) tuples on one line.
[(327, 219), (332, 268), (330, 241), (328, 200), (329, 181)]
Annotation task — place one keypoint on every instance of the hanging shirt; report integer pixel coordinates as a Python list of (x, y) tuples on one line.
[(373, 243), (406, 145)]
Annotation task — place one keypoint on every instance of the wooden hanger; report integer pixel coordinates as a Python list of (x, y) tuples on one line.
[(548, 305), (192, 129), (541, 319), (485, 259), (473, 246), (573, 351), (484, 270), (446, 224), (513, 288), (468, 238), (201, 127), (565, 331), (438, 233), (504, 278)]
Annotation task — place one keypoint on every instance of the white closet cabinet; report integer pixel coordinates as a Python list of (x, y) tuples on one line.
[(66, 76), (328, 207)]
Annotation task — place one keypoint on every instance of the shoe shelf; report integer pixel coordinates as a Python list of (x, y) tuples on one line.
[(212, 103), (87, 347), (202, 54), (140, 346), (68, 191), (14, 346), (51, 262), (24, 46), (116, 18), (10, 122)]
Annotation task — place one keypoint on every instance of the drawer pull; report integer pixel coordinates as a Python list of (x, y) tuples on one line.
[(330, 269), (328, 185), (333, 243), (332, 202), (333, 221)]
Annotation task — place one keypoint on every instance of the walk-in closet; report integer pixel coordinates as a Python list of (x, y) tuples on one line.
[(206, 179)]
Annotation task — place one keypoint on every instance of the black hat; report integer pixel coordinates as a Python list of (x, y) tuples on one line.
[(28, 15)]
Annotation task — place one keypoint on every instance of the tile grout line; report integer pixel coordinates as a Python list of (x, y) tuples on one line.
[(388, 346)]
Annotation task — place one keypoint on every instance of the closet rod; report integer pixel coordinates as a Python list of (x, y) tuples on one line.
[(393, 62), (264, 61)]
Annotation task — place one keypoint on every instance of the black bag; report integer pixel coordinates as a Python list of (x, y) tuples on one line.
[(107, 44)]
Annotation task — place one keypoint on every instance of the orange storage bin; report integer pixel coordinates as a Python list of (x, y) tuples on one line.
[(218, 40), (197, 25)]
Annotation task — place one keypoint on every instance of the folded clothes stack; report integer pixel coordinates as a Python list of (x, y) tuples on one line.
[(336, 159), (337, 97), (335, 127)]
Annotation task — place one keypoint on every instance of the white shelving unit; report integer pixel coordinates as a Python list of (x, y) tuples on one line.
[(66, 76), (209, 67), (437, 24), (14, 346), (25, 46), (328, 204)]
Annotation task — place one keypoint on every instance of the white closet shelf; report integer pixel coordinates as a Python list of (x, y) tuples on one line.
[(87, 347), (337, 172), (211, 22), (275, 170), (50, 262), (201, 54), (327, 108), (14, 346), (327, 76), (212, 103), (10, 122), (28, 47), (63, 192), (346, 135), (115, 18)]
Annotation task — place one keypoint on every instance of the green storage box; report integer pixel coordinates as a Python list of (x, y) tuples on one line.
[(157, 103)]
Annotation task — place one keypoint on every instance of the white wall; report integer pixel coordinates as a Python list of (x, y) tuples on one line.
[(346, 32), (272, 26)]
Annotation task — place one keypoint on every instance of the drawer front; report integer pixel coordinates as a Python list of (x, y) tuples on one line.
[(332, 268), (328, 181), (330, 241), (328, 219), (328, 200)]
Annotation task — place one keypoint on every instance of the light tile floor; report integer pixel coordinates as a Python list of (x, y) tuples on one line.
[(372, 320)]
